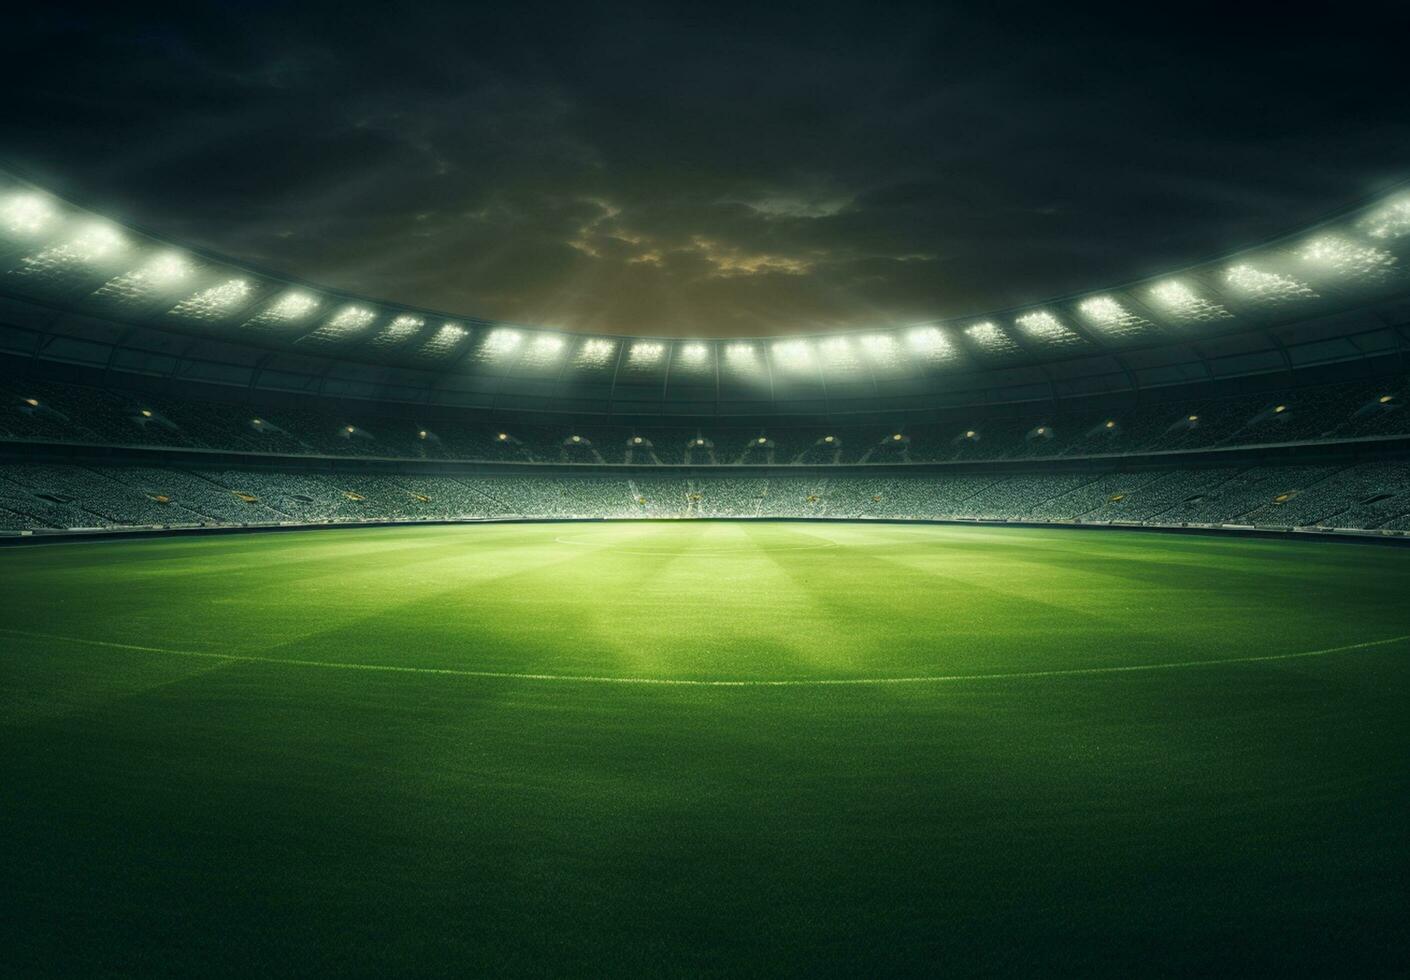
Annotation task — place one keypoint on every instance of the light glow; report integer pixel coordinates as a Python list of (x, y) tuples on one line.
[(215, 302), (1109, 316), (594, 353), (1391, 220), (402, 328), (645, 352), (1269, 287), (1180, 301), (1346, 258), (1045, 326), (989, 338), (26, 214), (443, 341), (931, 342)]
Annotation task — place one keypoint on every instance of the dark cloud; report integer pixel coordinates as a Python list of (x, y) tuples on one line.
[(736, 171)]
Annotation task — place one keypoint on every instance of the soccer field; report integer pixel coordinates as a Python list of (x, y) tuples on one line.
[(696, 746)]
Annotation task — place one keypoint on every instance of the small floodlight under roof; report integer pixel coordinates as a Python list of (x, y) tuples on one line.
[(288, 308), (636, 440), (987, 336), (1279, 409), (1386, 399), (1266, 286), (1108, 315), (548, 342), (645, 352), (503, 437), (594, 353), (1044, 326), (1111, 423), (402, 328), (576, 438), (422, 434), (762, 440), (1390, 220), (1192, 418), (25, 214), (897, 437), (792, 354), (162, 272), (502, 341), (32, 402), (146, 413), (443, 341), (930, 342), (829, 438), (351, 428), (1179, 300), (694, 352), (970, 434), (700, 442), (1343, 257), (214, 302), (94, 242), (350, 319)]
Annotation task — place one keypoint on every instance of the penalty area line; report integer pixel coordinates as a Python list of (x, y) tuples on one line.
[(686, 682)]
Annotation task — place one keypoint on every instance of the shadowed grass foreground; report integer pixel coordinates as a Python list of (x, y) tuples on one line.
[(167, 809)]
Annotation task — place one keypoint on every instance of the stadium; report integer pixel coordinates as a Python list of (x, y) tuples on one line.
[(344, 635)]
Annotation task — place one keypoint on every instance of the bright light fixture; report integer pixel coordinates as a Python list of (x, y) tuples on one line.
[(1179, 300), (26, 214)]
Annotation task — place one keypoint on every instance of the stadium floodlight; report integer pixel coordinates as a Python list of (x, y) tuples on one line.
[(401, 329), (1108, 315), (1043, 325), (576, 438), (930, 342), (762, 440), (694, 353), (970, 434), (987, 336), (1177, 299), (26, 214), (348, 320), (162, 272), (1390, 220), (443, 341), (792, 354), (1192, 418), (422, 434), (636, 440), (1268, 287), (503, 437), (289, 308), (146, 413), (350, 429), (595, 352), (1346, 258), (829, 439), (1111, 423), (700, 442), (502, 341), (897, 437), (645, 352), (94, 242), (1386, 399), (547, 343), (1279, 409), (214, 302)]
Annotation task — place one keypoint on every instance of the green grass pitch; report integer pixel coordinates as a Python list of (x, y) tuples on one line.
[(562, 749)]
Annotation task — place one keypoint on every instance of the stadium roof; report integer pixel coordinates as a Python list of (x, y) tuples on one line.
[(57, 256)]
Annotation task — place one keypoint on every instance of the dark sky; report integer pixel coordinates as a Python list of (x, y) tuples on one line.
[(709, 170)]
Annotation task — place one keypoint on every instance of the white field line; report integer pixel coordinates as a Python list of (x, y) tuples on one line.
[(669, 682)]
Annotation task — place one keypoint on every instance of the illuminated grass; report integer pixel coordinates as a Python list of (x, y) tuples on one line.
[(347, 820)]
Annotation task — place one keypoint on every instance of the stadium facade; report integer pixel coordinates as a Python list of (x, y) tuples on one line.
[(149, 384)]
